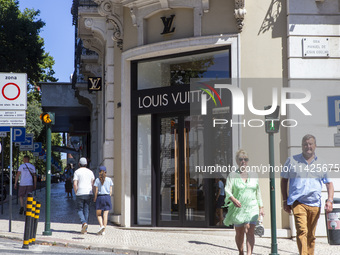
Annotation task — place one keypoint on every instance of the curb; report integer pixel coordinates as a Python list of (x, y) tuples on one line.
[(67, 244)]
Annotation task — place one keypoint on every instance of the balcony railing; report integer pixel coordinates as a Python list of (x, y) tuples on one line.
[(87, 3), (80, 3), (80, 52), (78, 77)]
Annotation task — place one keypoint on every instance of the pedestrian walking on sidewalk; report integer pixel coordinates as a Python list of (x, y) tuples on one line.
[(68, 180), (102, 198), (304, 197), (28, 181), (83, 185), (243, 196), (220, 197)]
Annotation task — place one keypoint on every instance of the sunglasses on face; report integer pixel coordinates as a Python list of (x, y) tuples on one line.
[(241, 159)]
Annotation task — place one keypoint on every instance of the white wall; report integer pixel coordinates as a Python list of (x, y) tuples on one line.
[(319, 75)]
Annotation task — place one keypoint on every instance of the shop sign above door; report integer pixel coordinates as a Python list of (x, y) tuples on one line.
[(166, 99)]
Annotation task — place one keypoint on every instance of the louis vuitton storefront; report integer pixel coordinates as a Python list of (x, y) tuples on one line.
[(167, 141), (141, 125)]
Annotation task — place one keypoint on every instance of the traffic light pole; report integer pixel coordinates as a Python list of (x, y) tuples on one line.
[(48, 231), (272, 195)]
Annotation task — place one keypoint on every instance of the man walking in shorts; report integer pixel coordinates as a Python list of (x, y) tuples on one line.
[(28, 181)]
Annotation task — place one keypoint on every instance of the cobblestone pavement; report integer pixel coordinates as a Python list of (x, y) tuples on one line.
[(65, 229)]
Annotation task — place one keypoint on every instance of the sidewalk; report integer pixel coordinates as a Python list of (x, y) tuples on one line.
[(65, 229)]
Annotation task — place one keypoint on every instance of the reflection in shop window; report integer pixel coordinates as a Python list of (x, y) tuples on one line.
[(144, 170), (174, 71)]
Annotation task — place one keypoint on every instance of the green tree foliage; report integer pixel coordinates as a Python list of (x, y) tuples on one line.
[(34, 124), (22, 51)]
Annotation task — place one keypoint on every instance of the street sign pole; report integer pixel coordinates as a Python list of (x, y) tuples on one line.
[(10, 179), (48, 231), (272, 195), (272, 126), (2, 174), (18, 152)]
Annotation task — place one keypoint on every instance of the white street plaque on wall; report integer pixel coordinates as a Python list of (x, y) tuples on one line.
[(314, 47)]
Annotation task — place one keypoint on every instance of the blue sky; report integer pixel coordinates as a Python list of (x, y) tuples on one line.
[(58, 33)]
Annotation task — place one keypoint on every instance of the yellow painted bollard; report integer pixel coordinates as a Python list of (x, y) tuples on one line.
[(35, 221), (32, 222), (28, 221)]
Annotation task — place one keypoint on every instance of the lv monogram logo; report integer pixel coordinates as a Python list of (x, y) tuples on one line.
[(95, 83), (167, 22)]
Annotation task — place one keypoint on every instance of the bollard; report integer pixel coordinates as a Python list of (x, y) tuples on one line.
[(30, 241), (28, 221), (35, 221)]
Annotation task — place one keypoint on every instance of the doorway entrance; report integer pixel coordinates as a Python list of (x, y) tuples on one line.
[(181, 191), (169, 143)]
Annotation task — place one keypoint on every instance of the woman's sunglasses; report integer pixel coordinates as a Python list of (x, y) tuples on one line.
[(241, 159)]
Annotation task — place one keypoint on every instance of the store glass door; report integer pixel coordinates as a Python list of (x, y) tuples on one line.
[(181, 191)]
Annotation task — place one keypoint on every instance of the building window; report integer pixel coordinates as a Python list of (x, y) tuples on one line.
[(177, 70)]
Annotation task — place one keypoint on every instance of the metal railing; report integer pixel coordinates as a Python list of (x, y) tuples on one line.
[(80, 3), (77, 76)]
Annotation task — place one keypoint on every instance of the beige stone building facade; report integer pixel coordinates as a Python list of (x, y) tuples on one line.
[(145, 52)]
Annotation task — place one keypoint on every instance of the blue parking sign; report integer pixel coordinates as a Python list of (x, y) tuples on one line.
[(37, 147), (333, 111), (19, 134), (27, 145)]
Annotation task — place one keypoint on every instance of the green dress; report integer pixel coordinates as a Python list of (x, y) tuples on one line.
[(249, 195)]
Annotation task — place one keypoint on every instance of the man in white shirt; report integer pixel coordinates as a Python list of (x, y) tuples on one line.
[(28, 181), (83, 186)]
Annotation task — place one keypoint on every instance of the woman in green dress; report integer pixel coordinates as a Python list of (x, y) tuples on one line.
[(243, 197)]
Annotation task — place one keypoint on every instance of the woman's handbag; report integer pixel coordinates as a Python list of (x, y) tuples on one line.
[(259, 229)]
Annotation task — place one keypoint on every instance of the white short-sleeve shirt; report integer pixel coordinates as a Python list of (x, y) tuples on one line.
[(26, 178), (85, 178)]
